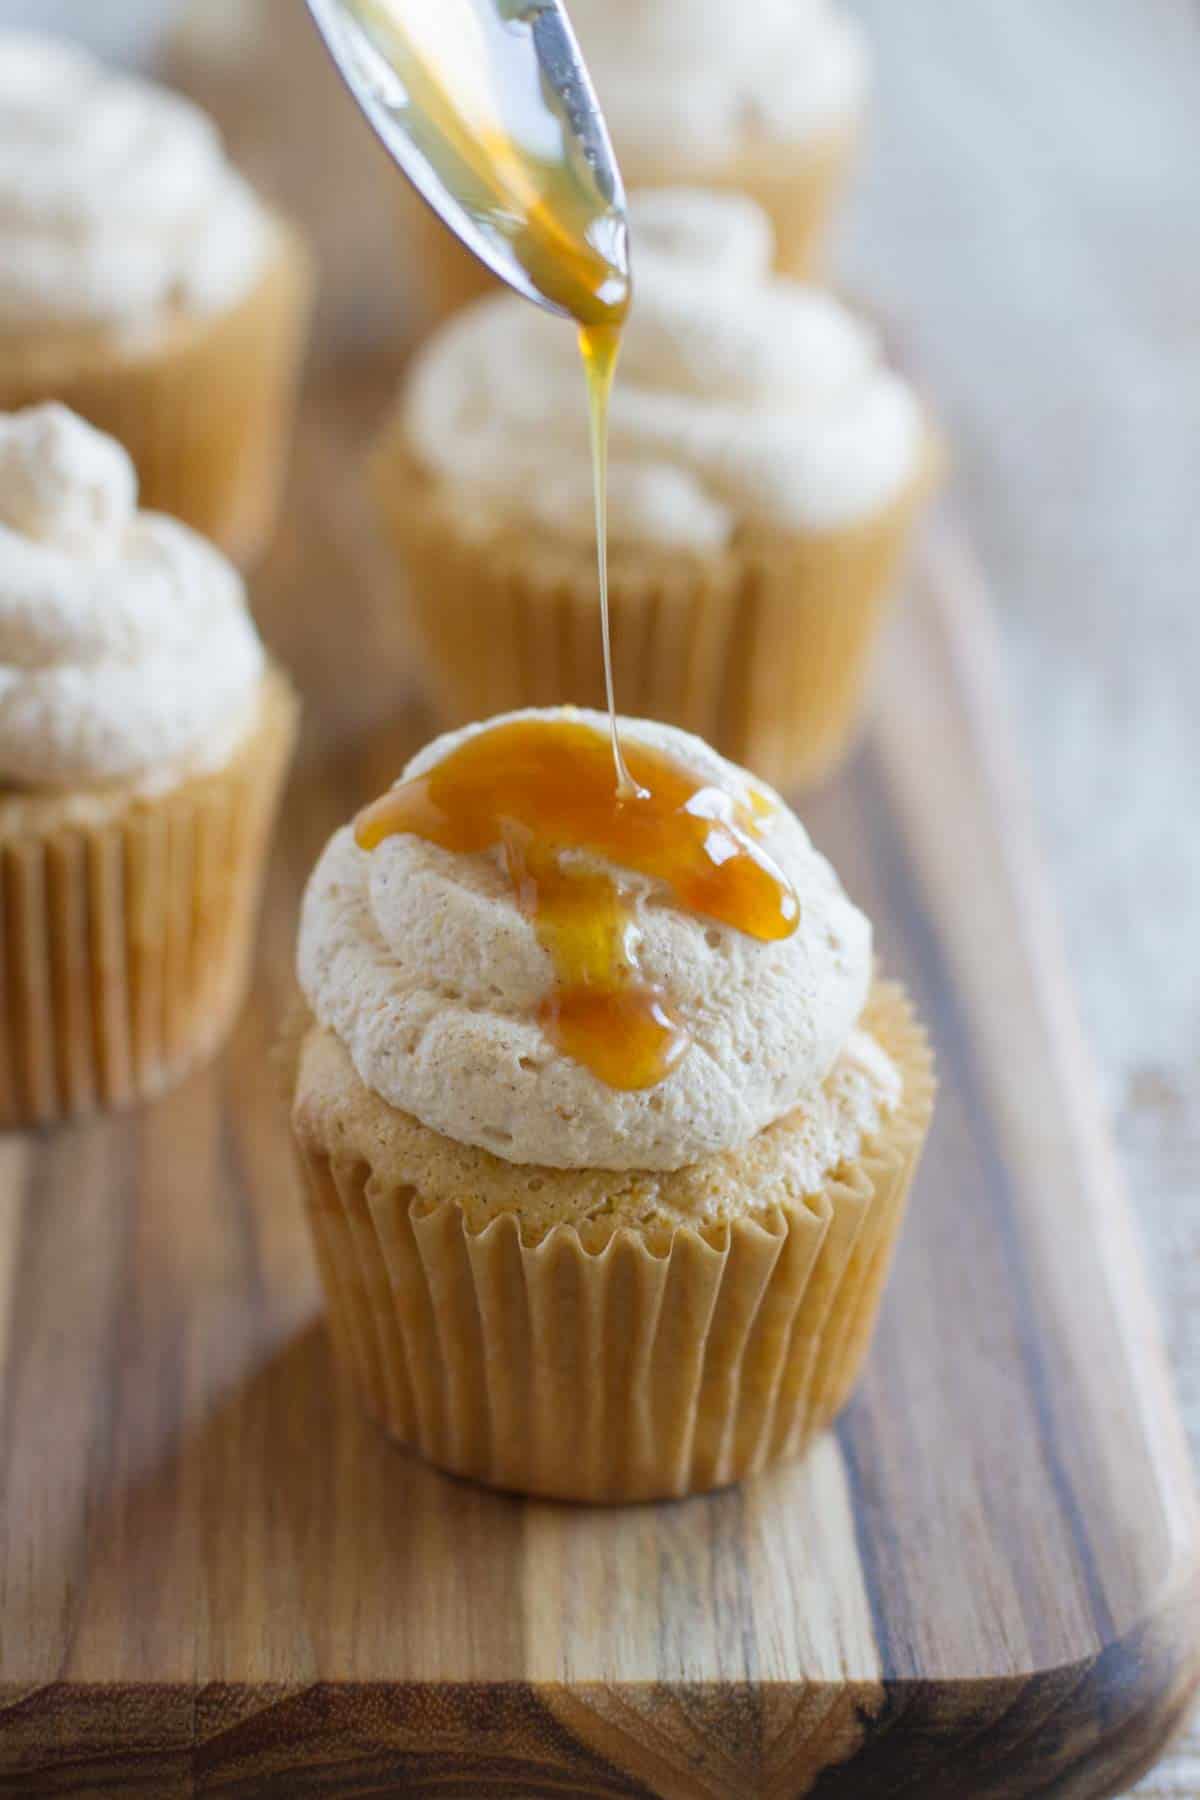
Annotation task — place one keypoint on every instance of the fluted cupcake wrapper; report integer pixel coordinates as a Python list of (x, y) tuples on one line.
[(204, 410), (441, 275), (629, 1372), (764, 651), (125, 938), (798, 186), (796, 664)]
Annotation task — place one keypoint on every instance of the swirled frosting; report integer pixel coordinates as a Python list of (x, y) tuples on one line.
[(686, 83), (125, 642), (116, 201), (422, 964), (742, 400)]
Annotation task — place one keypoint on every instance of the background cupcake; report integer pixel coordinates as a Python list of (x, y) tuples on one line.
[(553, 1283), (143, 742), (145, 286), (766, 99), (765, 467)]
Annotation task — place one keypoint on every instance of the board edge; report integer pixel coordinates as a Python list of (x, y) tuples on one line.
[(1081, 1730)]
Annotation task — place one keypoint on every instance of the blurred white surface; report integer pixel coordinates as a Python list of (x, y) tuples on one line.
[(125, 29)]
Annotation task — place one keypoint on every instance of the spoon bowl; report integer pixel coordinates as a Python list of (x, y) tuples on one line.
[(487, 107)]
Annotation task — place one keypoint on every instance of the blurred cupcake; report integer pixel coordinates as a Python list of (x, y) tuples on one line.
[(571, 1285), (143, 285), (765, 469), (769, 103), (143, 743)]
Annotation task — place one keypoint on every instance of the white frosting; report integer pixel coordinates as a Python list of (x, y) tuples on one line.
[(742, 399), (125, 642), (116, 201), (686, 83), (421, 963)]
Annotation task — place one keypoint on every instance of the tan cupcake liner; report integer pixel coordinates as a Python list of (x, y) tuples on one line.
[(440, 275), (205, 411), (619, 1374), (797, 659), (764, 650), (126, 931), (798, 187)]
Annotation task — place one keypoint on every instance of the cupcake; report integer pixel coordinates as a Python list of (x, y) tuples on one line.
[(769, 104), (143, 285), (604, 1160), (765, 468), (143, 743)]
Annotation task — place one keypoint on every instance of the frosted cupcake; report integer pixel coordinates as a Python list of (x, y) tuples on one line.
[(766, 99), (145, 286), (604, 1188), (143, 743), (765, 468)]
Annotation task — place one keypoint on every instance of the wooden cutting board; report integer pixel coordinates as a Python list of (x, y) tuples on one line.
[(216, 1578)]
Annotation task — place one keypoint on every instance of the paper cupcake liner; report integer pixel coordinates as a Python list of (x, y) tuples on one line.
[(764, 651), (441, 276), (205, 411), (501, 622), (796, 664), (126, 929), (798, 187), (626, 1373)]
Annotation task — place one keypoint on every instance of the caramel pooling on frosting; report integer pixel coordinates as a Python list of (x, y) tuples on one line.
[(539, 790)]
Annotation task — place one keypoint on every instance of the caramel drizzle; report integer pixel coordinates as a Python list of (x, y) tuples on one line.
[(450, 60), (540, 791)]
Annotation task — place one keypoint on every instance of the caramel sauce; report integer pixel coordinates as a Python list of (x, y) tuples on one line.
[(500, 147), (539, 789), (459, 76), (600, 346)]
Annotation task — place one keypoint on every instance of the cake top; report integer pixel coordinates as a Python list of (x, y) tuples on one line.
[(685, 83), (125, 640), (430, 964), (116, 201), (743, 400)]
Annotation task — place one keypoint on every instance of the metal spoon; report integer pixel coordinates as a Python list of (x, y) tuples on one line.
[(488, 109)]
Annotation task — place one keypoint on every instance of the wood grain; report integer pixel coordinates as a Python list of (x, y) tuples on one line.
[(216, 1578)]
